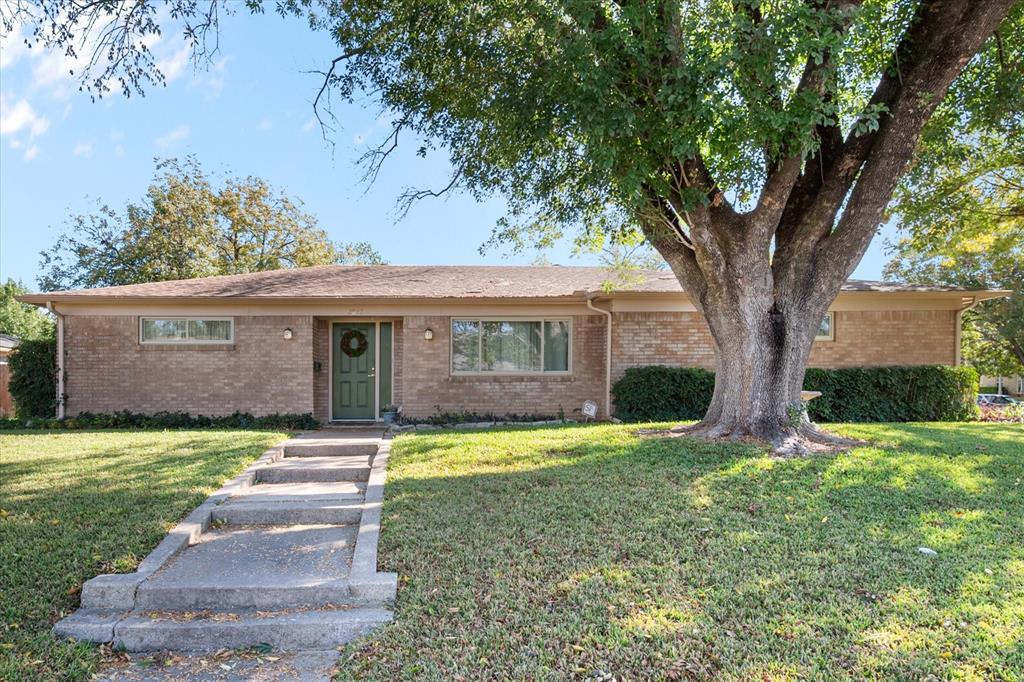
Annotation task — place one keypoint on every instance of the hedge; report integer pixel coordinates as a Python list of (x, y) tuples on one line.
[(893, 394), (33, 383), (870, 394), (657, 393), (168, 420)]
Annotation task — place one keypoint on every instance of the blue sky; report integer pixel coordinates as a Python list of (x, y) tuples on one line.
[(249, 112)]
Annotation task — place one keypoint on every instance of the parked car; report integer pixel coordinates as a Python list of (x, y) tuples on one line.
[(996, 399)]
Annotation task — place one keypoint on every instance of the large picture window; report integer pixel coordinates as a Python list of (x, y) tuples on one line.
[(510, 346), (185, 330)]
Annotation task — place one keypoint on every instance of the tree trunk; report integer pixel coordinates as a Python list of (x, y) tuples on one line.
[(762, 342)]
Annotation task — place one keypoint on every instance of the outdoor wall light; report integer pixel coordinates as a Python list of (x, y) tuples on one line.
[(288, 334), (428, 334)]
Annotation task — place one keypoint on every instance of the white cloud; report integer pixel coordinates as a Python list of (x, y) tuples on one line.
[(265, 124), (174, 64), (82, 149), (31, 153), (20, 117), (310, 124), (12, 47), (174, 135), (16, 144)]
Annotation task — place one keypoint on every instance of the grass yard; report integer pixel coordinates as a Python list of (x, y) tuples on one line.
[(588, 553), (75, 504)]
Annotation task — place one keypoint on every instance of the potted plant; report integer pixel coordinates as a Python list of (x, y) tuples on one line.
[(389, 414)]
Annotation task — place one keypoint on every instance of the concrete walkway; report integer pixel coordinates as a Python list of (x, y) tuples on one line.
[(284, 554)]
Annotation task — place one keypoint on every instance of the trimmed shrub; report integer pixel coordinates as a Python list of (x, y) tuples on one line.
[(893, 394), (33, 384), (657, 393), (869, 394), (168, 420)]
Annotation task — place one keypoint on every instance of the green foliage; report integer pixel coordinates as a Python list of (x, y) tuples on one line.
[(657, 393), (164, 420), (960, 207), (872, 394), (33, 384), (187, 226), (893, 394), (18, 319)]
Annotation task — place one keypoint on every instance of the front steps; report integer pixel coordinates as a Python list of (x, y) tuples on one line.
[(285, 555), (316, 469), (299, 630)]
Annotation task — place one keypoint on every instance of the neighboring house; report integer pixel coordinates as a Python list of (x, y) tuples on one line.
[(1014, 385), (7, 344), (343, 342)]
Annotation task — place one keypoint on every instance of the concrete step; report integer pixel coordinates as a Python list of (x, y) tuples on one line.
[(329, 491), (265, 567), (315, 469), (290, 630), (322, 449), (252, 596), (288, 512)]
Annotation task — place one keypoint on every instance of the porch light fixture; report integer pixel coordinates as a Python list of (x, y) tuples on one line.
[(428, 334), (288, 334)]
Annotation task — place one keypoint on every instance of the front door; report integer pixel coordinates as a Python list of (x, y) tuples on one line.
[(355, 363)]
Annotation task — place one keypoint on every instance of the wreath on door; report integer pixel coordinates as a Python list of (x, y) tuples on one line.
[(354, 343)]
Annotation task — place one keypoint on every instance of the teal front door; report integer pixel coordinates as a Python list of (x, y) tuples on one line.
[(354, 358)]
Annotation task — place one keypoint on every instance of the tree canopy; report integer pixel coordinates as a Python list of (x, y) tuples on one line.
[(754, 143), (188, 225), (960, 207), (18, 319)]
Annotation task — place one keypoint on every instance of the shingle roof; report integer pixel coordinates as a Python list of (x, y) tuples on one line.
[(415, 282)]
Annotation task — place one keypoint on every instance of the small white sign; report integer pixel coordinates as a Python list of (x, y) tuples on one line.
[(590, 409)]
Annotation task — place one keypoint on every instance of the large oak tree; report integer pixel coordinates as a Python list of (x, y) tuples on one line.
[(754, 143)]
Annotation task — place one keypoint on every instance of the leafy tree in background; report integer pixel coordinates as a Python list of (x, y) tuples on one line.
[(960, 207), (754, 144), (187, 226), (20, 319)]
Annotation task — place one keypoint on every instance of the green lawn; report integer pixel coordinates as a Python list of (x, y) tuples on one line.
[(75, 504), (586, 552)]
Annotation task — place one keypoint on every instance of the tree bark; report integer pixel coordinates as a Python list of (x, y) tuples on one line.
[(764, 279)]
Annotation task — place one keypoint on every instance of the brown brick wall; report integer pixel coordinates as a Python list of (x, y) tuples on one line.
[(427, 383), (889, 337), (322, 377), (261, 373), (108, 370), (862, 339)]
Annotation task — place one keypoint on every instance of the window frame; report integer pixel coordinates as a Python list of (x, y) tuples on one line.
[(187, 341), (518, 372), (831, 336)]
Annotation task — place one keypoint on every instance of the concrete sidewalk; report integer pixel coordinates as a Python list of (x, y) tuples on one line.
[(284, 555)]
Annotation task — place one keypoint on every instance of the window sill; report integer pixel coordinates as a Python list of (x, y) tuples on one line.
[(186, 346), (509, 378)]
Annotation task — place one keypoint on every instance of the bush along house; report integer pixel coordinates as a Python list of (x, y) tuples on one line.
[(344, 342)]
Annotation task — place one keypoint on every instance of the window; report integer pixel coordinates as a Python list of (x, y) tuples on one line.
[(185, 330), (510, 346), (827, 330)]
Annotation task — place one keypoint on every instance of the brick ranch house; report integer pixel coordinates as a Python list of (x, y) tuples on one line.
[(344, 342)]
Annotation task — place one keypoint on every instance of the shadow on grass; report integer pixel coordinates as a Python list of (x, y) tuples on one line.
[(76, 504), (582, 551)]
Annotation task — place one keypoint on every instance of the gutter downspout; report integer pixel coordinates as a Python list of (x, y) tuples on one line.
[(960, 330), (607, 354), (60, 358)]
